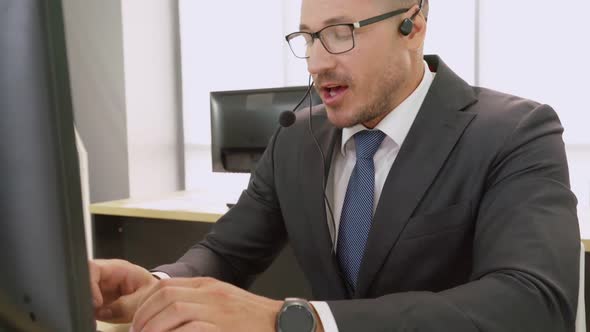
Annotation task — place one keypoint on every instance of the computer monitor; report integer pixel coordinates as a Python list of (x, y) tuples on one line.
[(44, 278), (242, 123)]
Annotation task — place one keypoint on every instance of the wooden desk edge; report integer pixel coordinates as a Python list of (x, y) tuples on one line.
[(112, 209), (108, 327), (154, 214)]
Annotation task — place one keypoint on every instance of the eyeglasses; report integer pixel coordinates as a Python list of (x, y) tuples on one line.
[(336, 39)]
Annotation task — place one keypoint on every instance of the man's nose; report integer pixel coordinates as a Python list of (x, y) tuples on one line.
[(320, 60)]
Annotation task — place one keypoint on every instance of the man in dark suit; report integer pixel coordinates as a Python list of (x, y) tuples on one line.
[(447, 207)]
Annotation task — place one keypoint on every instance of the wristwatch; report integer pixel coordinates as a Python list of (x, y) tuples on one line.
[(296, 315)]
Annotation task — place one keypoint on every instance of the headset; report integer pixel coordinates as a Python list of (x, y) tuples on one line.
[(408, 24), (287, 119)]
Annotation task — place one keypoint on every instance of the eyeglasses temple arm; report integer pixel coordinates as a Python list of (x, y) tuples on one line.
[(379, 18)]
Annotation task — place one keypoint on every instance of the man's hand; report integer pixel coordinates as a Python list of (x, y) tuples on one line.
[(204, 304), (117, 289)]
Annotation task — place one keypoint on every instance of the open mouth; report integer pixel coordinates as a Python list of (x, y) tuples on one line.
[(333, 94)]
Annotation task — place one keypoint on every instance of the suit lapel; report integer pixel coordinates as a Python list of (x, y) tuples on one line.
[(437, 128), (312, 189)]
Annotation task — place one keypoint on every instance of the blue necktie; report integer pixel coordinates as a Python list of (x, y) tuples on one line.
[(357, 210)]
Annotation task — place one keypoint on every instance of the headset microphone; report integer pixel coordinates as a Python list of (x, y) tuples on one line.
[(287, 118)]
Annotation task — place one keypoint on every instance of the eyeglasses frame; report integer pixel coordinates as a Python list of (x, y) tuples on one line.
[(353, 26)]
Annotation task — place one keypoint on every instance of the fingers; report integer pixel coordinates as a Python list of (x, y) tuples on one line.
[(97, 299), (160, 300), (105, 280), (203, 304), (120, 311), (103, 315), (174, 316), (192, 283), (116, 287)]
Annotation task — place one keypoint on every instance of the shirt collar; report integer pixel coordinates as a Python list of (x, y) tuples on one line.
[(397, 123)]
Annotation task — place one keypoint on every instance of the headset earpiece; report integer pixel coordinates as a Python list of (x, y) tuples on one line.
[(408, 24), (406, 27)]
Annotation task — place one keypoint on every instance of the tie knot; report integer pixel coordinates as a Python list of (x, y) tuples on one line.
[(367, 143)]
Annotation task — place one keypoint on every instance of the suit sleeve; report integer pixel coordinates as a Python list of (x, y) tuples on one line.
[(245, 241), (525, 251)]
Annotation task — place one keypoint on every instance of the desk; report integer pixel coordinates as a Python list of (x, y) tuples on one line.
[(156, 231), (151, 232), (106, 327), (191, 206)]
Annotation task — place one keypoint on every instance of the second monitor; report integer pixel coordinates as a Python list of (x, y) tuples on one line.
[(243, 121)]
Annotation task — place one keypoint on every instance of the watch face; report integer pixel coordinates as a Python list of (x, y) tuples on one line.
[(296, 318)]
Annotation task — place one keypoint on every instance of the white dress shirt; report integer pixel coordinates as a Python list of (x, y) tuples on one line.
[(396, 126)]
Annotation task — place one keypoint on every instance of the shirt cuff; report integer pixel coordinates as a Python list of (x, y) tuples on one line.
[(161, 275), (326, 316)]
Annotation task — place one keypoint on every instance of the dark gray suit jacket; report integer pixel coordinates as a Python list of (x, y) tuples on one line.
[(475, 230)]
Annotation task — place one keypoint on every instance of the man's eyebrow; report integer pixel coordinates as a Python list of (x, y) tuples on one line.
[(330, 21)]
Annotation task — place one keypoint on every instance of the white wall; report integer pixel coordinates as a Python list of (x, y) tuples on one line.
[(124, 70), (529, 49), (451, 34), (226, 45), (152, 86), (295, 69)]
